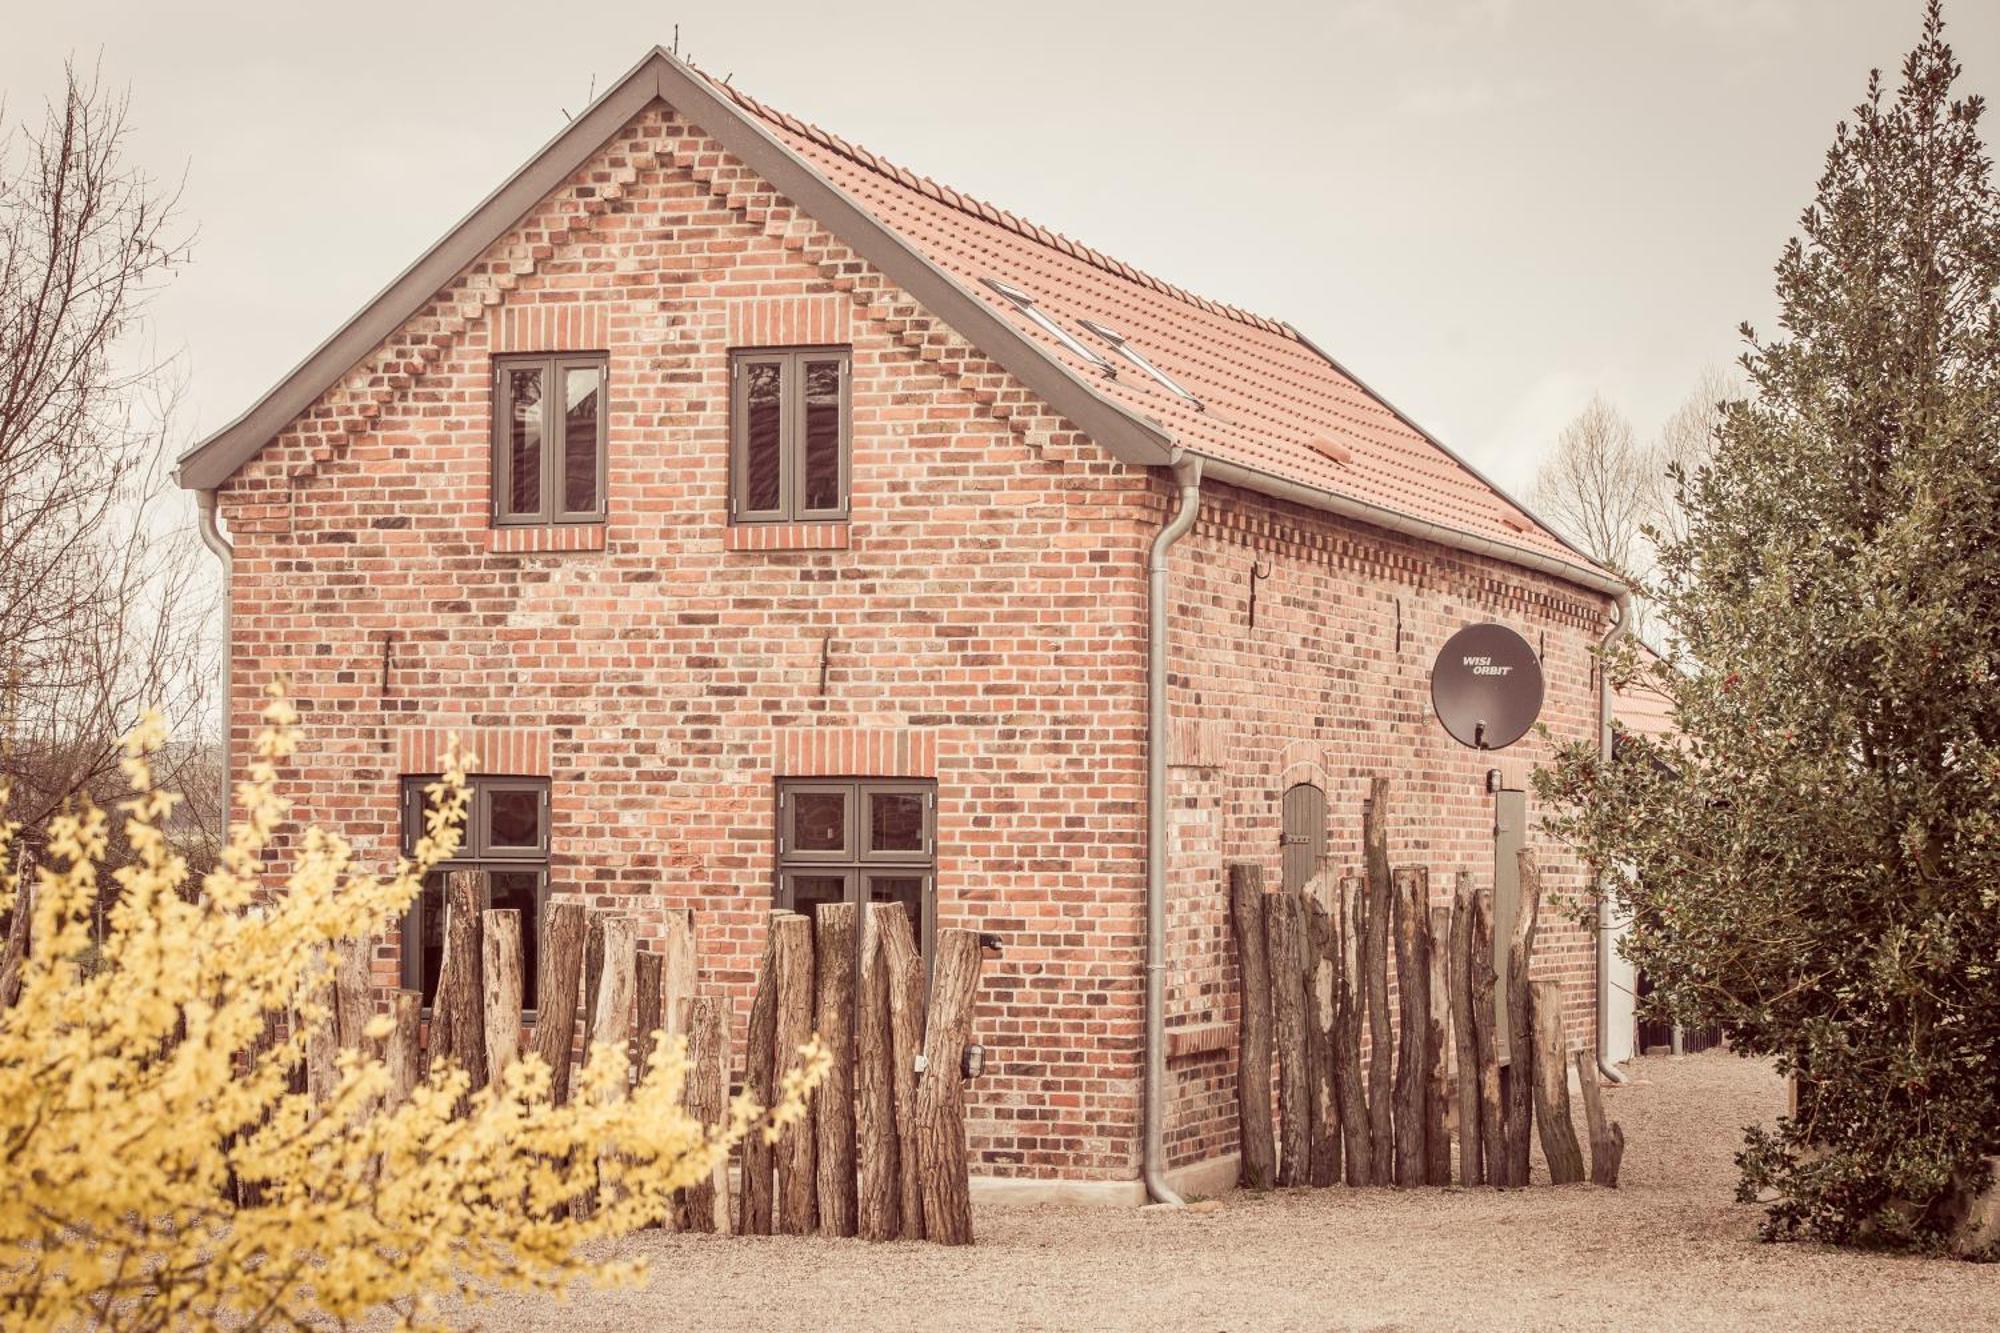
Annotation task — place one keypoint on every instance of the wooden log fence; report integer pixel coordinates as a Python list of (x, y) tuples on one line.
[(1438, 1051), (1258, 1167), (1314, 972), (1413, 989), (1519, 1081), (1288, 1007), (882, 1150), (1375, 961), (1465, 1043)]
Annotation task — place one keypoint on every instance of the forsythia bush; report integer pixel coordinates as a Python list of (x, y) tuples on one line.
[(136, 1092)]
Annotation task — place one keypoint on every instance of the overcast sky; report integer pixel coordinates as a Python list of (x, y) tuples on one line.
[(1488, 209)]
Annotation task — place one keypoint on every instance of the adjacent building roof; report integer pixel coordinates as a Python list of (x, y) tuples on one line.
[(1249, 393)]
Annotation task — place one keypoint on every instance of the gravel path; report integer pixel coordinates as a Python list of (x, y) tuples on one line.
[(1669, 1250)]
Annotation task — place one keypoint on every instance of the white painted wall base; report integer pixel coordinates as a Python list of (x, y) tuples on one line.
[(1198, 1179)]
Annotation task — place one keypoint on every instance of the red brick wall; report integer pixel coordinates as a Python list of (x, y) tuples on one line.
[(981, 616), (1319, 692)]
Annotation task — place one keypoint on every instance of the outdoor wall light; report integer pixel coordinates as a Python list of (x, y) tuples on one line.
[(1492, 779), (973, 1062)]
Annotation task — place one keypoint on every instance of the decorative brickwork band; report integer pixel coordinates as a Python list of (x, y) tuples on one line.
[(790, 321), (515, 751), (528, 538), (551, 326), (785, 537), (876, 752)]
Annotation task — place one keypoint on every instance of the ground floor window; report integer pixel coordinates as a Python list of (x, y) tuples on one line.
[(507, 836), (858, 840)]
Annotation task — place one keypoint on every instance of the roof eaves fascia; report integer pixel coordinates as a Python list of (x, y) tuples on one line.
[(212, 461)]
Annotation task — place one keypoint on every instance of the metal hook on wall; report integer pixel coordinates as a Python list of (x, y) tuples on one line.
[(1259, 570)]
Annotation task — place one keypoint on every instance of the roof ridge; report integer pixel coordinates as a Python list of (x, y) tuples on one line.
[(979, 208)]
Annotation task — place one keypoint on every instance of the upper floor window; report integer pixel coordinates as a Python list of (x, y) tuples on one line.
[(506, 835), (548, 438), (789, 435)]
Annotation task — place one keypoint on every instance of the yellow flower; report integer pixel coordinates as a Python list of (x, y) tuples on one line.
[(161, 1174)]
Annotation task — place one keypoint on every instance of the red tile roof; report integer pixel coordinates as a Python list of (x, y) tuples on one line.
[(1269, 400)]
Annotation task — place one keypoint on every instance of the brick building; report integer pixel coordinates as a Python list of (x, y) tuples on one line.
[(831, 579)]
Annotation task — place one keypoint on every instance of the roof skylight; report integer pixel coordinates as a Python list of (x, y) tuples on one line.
[(1137, 358), (1026, 305)]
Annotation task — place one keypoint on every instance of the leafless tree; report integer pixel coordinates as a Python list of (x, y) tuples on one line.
[(1594, 486), (1685, 443), (102, 610)]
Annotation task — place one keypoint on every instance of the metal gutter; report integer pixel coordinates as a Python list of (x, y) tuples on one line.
[(225, 555), (1606, 926), (1153, 1149)]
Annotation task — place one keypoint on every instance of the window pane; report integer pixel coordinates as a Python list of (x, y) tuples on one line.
[(430, 935), (763, 410), (905, 889), (895, 821), (524, 440), (819, 821), (516, 889), (809, 891), (514, 818), (583, 399), (822, 446)]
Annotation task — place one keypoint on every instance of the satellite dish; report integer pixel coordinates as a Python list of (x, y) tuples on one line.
[(1486, 686)]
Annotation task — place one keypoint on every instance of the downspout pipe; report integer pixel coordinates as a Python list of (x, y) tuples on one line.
[(1606, 922), (225, 555), (1187, 475)]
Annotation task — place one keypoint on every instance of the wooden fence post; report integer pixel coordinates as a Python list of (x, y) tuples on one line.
[(940, 1093), (797, 1202), (1281, 928), (401, 1053), (700, 1207), (611, 1009), (1607, 1141), (1258, 1169), (322, 1039), (1437, 1050), (679, 968), (833, 950), (878, 1163), (1352, 1018), (1520, 1022), (1551, 1055), (353, 993), (1413, 989), (559, 975), (1375, 959), (500, 978), (760, 1079), (1465, 1042), (593, 973), (1486, 1040), (647, 1018), (461, 991), (1320, 1020), (907, 983)]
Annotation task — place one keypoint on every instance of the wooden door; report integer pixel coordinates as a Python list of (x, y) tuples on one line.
[(1303, 838)]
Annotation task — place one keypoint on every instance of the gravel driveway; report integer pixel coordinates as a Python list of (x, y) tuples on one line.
[(1668, 1250)]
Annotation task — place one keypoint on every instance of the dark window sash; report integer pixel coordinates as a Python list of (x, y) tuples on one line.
[(553, 461), (793, 503)]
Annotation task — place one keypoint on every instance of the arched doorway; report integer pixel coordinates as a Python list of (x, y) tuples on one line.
[(1303, 835)]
